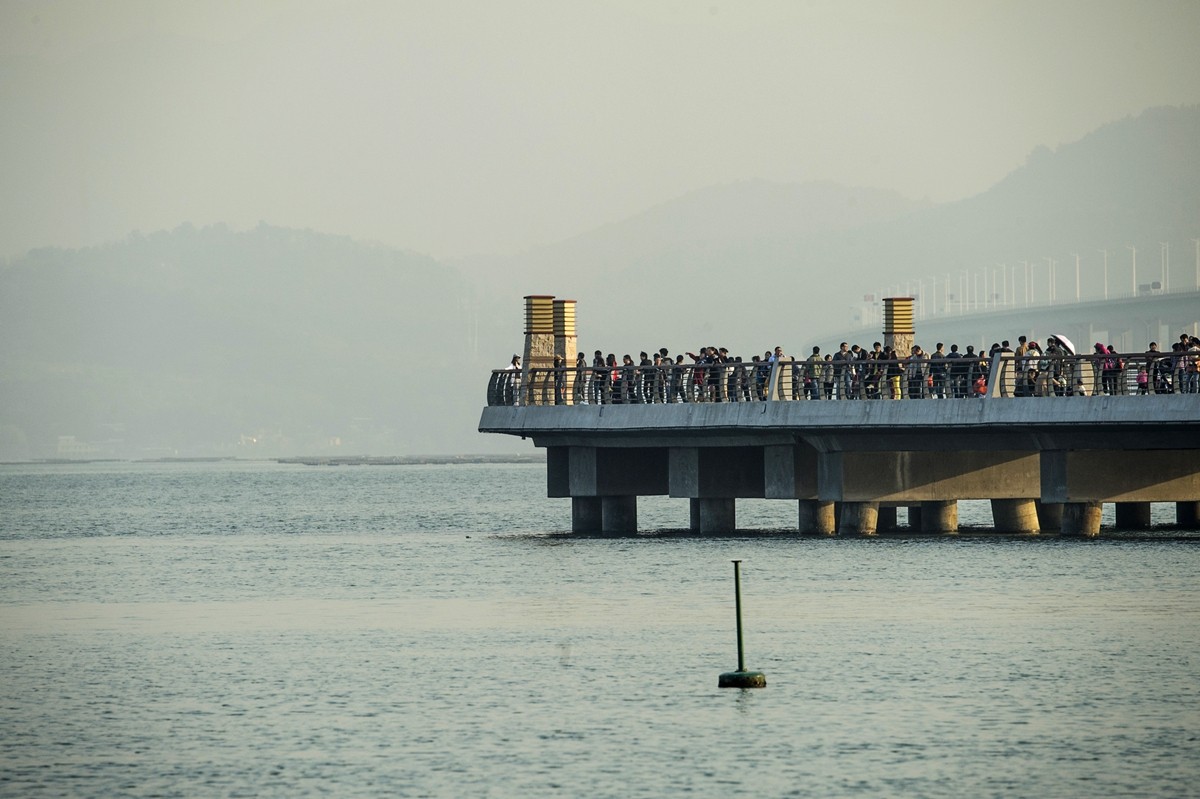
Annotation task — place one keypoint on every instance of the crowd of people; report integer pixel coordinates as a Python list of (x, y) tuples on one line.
[(854, 372)]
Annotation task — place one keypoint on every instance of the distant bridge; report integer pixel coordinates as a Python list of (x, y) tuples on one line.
[(1127, 322)]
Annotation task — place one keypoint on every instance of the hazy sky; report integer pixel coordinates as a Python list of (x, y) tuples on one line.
[(462, 127)]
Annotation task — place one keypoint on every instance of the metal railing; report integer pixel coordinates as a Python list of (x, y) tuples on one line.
[(1004, 375)]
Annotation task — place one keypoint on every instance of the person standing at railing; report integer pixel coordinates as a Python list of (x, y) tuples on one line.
[(579, 388), (916, 369), (612, 380), (1099, 356), (560, 380), (893, 373), (1192, 366), (643, 379), (938, 366), (623, 381), (1051, 369), (812, 374), (1157, 373), (598, 378), (843, 373), (512, 381), (953, 368), (679, 380), (1112, 366), (1032, 368), (1045, 375), (873, 372)]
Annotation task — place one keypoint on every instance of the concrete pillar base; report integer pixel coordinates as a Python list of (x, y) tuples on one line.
[(1082, 518), (914, 517), (1015, 516), (1049, 516), (618, 514), (817, 517), (887, 522), (694, 515), (1187, 515), (1133, 515), (859, 518), (716, 515), (939, 516), (586, 515)]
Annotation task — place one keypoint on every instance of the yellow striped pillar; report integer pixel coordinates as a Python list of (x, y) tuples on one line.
[(537, 385), (898, 332), (566, 344)]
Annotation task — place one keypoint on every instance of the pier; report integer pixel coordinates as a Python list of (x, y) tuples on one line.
[(1046, 463)]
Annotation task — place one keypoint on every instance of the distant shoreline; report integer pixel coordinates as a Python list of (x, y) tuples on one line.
[(304, 460), (408, 460)]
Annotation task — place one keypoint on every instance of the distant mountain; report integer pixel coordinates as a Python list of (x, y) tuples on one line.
[(284, 342), (211, 341), (753, 264)]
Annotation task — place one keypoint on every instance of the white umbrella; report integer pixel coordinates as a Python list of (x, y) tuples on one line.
[(1066, 343)]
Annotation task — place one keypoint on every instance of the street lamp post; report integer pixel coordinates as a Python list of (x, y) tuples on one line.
[(1197, 243), (1166, 265), (1076, 276), (1105, 252), (1133, 249)]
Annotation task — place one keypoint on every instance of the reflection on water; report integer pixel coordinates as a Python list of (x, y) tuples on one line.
[(246, 629)]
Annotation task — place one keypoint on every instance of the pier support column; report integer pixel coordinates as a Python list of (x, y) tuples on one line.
[(716, 515), (1049, 516), (859, 518), (586, 515), (1133, 515), (817, 517), (1015, 516), (618, 514), (939, 516), (914, 517), (1082, 518), (694, 515), (1187, 514)]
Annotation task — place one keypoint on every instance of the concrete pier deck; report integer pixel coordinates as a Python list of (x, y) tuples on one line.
[(1044, 462)]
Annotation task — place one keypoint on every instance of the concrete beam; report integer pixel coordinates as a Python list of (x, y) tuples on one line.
[(1012, 424), (600, 472), (925, 476), (1120, 476), (716, 472), (790, 471)]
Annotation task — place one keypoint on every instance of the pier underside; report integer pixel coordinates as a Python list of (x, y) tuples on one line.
[(1045, 467)]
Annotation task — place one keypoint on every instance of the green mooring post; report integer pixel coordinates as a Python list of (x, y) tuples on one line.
[(740, 678)]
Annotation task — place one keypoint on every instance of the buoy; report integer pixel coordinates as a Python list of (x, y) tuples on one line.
[(740, 678)]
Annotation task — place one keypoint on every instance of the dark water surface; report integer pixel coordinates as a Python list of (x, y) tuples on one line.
[(239, 629)]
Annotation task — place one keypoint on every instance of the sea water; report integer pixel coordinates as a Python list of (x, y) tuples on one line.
[(258, 629)]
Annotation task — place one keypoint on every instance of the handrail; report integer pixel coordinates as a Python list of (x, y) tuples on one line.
[(1003, 376)]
